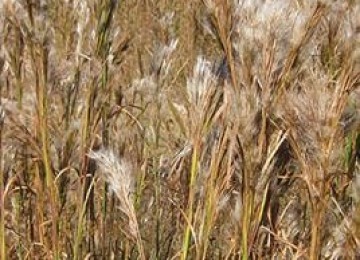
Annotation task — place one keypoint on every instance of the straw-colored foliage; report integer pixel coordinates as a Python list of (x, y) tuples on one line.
[(214, 129)]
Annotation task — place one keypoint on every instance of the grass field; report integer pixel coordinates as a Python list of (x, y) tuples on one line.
[(213, 129)]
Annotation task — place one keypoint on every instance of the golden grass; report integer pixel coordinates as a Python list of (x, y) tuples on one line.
[(211, 129)]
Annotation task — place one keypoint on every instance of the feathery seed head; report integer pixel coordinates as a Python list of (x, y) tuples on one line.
[(201, 81), (161, 61), (116, 171)]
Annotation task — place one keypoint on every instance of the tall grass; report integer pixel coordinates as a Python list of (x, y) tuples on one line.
[(211, 129)]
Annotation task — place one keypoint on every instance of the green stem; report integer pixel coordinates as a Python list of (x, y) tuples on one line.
[(193, 174)]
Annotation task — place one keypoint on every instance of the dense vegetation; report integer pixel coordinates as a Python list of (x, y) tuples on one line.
[(214, 129)]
